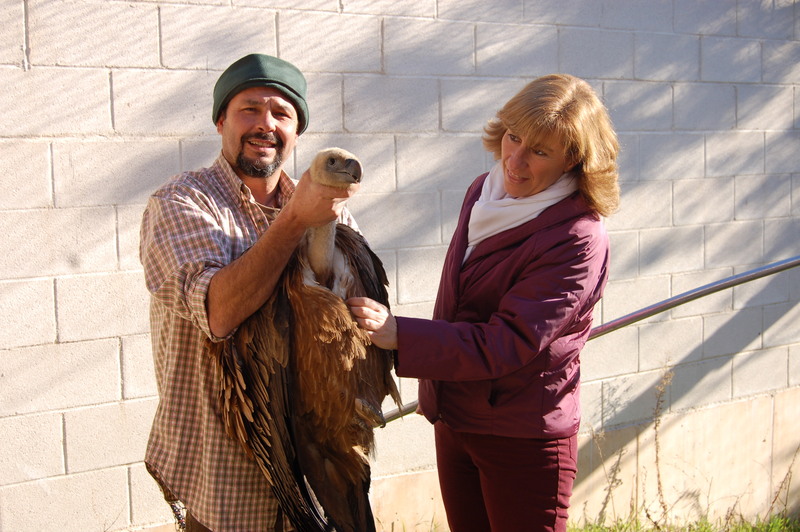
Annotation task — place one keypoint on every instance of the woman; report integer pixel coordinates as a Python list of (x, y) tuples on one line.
[(499, 363)]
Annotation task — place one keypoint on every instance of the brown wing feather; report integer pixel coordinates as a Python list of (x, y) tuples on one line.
[(302, 388)]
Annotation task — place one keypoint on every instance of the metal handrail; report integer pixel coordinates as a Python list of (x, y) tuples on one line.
[(657, 308)]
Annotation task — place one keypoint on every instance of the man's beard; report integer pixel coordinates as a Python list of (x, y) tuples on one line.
[(256, 167)]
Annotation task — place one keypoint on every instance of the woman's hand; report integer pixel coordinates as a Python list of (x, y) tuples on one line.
[(376, 319)]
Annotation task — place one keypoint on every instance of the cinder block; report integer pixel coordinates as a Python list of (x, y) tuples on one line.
[(31, 448), (102, 305), (780, 324), (624, 255), (420, 165), (589, 53), (635, 194), (469, 104), (199, 153), (772, 20), (761, 197), (639, 106), (672, 156), (317, 42), (703, 201), (107, 435), (419, 271), (760, 371), (730, 60), (623, 297), (163, 102), (111, 172), (732, 332), (129, 220), (795, 195), (667, 57), (59, 376), (388, 104), (89, 501), (794, 365), (65, 241), (12, 39), (780, 238), (615, 353), (325, 103), (764, 107), (214, 37), (535, 50), (781, 152), (509, 11), (734, 153), (734, 243), (138, 373), (28, 313), (628, 157), (706, 18), (591, 406), (436, 48), (451, 208), (670, 250), (417, 8), (705, 106), (631, 398), (147, 502), (697, 385), (376, 153), (563, 12), (655, 15), (68, 101), (384, 217), (29, 159), (781, 61), (721, 301), (670, 343), (80, 33), (768, 290)]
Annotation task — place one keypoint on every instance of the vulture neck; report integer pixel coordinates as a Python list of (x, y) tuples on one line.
[(321, 243)]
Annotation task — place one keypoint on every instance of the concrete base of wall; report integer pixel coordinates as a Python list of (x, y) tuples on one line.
[(729, 461)]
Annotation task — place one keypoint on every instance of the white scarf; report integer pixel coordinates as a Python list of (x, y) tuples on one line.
[(496, 211)]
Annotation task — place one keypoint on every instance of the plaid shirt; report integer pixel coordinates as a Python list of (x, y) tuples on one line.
[(194, 225)]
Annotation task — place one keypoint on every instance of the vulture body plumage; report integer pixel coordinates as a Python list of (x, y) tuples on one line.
[(301, 383)]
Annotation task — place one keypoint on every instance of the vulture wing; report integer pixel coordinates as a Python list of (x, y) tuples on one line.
[(302, 388)]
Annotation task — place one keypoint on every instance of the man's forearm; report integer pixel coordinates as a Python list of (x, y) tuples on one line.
[(239, 289)]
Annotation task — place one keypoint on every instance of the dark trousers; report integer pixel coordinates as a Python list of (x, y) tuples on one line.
[(498, 484)]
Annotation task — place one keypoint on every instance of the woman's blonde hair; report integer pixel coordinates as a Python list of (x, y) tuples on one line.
[(565, 107)]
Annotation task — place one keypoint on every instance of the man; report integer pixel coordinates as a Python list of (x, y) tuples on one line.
[(213, 245)]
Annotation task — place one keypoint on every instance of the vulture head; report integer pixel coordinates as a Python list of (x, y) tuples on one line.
[(335, 167)]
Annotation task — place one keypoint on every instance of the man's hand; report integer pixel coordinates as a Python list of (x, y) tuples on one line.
[(313, 204)]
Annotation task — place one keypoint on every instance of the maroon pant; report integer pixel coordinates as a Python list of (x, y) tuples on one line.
[(499, 484)]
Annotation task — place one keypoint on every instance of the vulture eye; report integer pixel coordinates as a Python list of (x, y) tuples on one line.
[(331, 161)]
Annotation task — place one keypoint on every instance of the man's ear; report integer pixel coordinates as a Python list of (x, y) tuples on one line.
[(220, 120)]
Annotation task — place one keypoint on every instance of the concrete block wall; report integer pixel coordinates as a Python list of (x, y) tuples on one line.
[(105, 99)]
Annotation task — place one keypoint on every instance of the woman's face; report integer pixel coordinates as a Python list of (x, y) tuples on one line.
[(529, 170)]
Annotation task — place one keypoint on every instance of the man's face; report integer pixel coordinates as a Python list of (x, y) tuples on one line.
[(259, 131)]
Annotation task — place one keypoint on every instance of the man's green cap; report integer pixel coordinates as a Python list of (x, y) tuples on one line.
[(259, 70)]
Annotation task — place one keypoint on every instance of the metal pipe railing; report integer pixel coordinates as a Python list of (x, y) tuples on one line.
[(657, 308)]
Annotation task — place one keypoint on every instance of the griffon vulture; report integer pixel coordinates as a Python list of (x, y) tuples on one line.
[(302, 386)]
